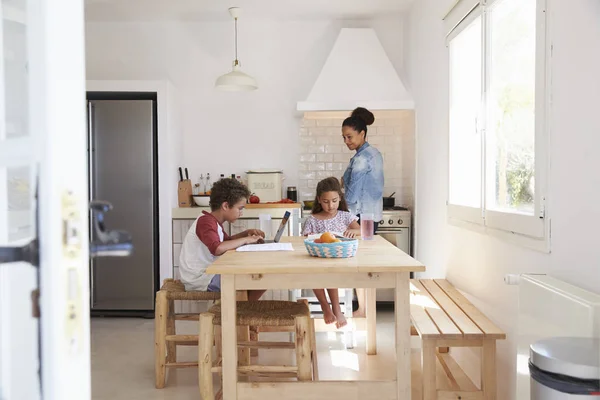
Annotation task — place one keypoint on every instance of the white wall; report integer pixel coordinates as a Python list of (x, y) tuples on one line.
[(476, 263), (230, 132)]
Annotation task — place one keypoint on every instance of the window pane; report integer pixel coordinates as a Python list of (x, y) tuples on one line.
[(465, 108), (511, 107)]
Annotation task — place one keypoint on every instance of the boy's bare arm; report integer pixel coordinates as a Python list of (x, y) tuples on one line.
[(233, 244), (249, 232)]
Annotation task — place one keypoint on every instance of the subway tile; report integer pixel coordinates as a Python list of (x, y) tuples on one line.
[(312, 184), (376, 140), (323, 174), (324, 140), (303, 132), (394, 139), (302, 183), (335, 131), (316, 166), (343, 158), (308, 141), (302, 166), (302, 149), (325, 157), (316, 149), (319, 131), (308, 123), (385, 130), (307, 175), (307, 194), (308, 158), (333, 148), (324, 122)]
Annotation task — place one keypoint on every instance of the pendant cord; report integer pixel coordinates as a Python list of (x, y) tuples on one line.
[(236, 43)]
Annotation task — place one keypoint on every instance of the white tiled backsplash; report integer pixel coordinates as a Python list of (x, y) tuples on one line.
[(323, 152)]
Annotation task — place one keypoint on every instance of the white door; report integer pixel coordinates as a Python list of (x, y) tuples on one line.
[(43, 149)]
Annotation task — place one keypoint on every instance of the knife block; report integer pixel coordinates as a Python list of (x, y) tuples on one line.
[(184, 193)]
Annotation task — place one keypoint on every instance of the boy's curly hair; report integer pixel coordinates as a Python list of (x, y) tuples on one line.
[(227, 190)]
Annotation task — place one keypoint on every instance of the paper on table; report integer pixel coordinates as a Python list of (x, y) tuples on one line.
[(267, 247)]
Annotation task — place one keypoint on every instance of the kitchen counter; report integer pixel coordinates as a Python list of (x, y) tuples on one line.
[(252, 210)]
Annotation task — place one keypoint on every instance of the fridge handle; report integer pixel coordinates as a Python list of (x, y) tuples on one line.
[(91, 182)]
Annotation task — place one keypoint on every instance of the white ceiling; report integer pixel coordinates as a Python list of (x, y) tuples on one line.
[(216, 10)]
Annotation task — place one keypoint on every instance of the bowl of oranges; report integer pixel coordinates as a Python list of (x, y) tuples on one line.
[(331, 246)]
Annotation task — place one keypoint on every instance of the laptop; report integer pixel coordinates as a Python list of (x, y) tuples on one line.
[(284, 222)]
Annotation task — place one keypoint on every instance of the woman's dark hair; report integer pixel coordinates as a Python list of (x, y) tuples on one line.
[(227, 190), (330, 184), (359, 120)]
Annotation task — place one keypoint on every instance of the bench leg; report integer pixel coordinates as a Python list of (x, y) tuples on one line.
[(444, 349), (488, 370), (428, 362)]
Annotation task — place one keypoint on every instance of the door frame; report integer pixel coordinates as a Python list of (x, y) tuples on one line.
[(170, 149)]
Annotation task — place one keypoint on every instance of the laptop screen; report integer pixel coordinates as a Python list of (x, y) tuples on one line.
[(284, 222)]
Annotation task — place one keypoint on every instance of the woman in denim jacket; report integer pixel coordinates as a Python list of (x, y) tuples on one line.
[(363, 178)]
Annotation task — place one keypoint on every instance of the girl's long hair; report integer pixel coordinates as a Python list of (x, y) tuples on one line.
[(331, 184)]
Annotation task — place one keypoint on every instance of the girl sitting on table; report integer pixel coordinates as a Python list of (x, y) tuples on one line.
[(330, 214)]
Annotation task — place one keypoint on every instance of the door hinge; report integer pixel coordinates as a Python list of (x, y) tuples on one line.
[(543, 209), (35, 303)]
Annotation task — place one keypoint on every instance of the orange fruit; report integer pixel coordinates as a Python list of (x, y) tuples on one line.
[(318, 241), (327, 237)]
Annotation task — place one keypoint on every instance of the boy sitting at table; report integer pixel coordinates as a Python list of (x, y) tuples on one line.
[(206, 240)]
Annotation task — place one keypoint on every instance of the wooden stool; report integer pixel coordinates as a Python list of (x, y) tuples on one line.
[(165, 338), (264, 313)]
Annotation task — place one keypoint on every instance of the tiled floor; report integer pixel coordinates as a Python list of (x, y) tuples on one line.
[(123, 359)]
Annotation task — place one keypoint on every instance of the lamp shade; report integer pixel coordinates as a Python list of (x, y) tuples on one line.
[(236, 81)]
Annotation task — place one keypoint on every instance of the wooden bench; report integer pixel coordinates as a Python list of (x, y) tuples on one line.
[(444, 318)]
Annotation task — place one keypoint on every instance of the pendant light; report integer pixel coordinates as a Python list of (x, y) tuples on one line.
[(236, 80)]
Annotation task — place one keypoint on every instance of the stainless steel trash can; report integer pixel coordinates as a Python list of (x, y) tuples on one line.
[(565, 368)]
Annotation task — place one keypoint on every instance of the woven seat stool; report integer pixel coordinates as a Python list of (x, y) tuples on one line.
[(264, 313), (165, 338)]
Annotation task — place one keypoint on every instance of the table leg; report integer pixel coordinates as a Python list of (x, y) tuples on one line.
[(229, 335), (402, 314), (371, 311)]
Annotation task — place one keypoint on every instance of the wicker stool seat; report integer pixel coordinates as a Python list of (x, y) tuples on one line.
[(176, 291), (262, 313)]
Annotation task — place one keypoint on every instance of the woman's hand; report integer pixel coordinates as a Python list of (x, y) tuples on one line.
[(254, 232)]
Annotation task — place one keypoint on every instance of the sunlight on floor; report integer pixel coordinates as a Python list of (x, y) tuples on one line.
[(345, 359)]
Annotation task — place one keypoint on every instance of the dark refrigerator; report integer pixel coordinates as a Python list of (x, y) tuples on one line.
[(122, 166)]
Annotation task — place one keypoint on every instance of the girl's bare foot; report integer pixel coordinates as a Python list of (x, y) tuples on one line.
[(341, 319), (359, 314), (329, 316)]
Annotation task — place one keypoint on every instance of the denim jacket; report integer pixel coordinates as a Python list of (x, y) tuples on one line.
[(363, 182)]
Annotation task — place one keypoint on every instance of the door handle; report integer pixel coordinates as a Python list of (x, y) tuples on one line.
[(29, 253), (107, 243)]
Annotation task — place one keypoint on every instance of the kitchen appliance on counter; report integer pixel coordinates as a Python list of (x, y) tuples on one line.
[(266, 184), (123, 170)]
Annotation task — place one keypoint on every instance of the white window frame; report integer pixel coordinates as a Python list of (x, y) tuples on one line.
[(530, 230)]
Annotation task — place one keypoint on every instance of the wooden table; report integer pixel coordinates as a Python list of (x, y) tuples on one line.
[(377, 264)]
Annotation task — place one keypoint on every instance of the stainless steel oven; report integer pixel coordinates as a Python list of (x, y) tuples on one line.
[(395, 227)]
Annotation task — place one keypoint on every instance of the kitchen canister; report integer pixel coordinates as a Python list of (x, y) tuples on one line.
[(292, 193)]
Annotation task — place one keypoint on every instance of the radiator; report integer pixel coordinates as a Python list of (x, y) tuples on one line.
[(549, 307)]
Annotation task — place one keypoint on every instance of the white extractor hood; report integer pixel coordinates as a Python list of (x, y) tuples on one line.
[(357, 73)]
